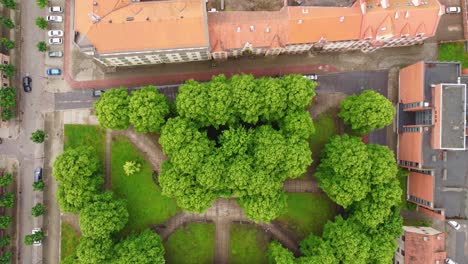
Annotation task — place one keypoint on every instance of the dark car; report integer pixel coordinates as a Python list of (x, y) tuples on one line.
[(38, 174), (27, 84)]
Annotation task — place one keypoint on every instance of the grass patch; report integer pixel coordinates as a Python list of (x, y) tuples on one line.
[(325, 127), (247, 245), (418, 222), (453, 52), (69, 240), (191, 244), (146, 205), (403, 179), (307, 213), (86, 135)]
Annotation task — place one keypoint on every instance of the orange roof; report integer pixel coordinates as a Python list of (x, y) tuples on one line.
[(425, 246), (421, 186), (120, 25), (410, 147), (232, 30), (311, 24), (412, 83)]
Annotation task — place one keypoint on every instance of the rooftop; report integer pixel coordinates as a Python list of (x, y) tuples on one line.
[(453, 116), (424, 245)]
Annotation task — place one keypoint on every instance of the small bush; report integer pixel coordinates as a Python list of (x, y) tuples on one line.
[(38, 136), (131, 167)]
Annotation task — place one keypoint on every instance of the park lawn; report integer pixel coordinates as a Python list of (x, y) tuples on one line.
[(307, 213), (86, 135), (325, 127), (70, 240), (247, 245), (191, 244), (453, 52), (146, 205)]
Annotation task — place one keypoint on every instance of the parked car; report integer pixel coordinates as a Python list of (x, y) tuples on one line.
[(55, 9), (38, 174), (34, 231), (312, 77), (27, 84), (454, 224), (452, 10), (450, 261), (54, 18), (55, 54), (55, 33), (98, 93), (55, 41), (53, 71)]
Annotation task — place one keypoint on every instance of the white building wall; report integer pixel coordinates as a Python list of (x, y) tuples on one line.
[(399, 258)]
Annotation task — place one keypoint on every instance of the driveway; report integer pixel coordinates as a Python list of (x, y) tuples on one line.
[(450, 25)]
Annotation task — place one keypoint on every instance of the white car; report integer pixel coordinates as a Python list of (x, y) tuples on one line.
[(454, 224), (55, 41), (55, 33), (453, 10), (55, 9), (54, 18), (312, 77), (450, 261), (36, 243)]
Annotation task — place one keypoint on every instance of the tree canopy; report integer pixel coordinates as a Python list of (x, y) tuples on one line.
[(145, 248), (367, 111), (238, 137), (148, 110), (112, 109), (79, 179), (277, 254)]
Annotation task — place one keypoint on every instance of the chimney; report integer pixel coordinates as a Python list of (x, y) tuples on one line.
[(384, 3), (363, 5), (416, 2)]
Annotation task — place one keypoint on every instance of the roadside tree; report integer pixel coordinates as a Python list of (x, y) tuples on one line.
[(41, 46), (41, 23), (38, 136), (112, 109), (7, 44), (8, 69), (367, 111), (7, 22), (36, 237), (38, 186), (7, 114), (7, 97), (5, 221), (42, 3), (7, 200), (38, 210), (148, 110), (11, 4), (5, 258), (5, 241), (6, 179)]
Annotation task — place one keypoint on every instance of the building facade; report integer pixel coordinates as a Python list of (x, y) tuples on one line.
[(420, 245), (432, 135)]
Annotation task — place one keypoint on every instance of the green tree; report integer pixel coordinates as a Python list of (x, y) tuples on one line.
[(8, 69), (79, 179), (367, 111), (131, 167), (38, 136), (348, 240), (41, 46), (5, 258), (36, 237), (38, 186), (264, 208), (316, 251), (42, 3), (301, 91), (148, 110), (11, 4), (246, 96), (5, 222), (7, 200), (7, 97), (38, 210), (145, 248), (103, 216), (6, 179), (41, 23), (344, 170), (5, 241), (7, 22), (71, 259), (384, 167), (383, 237), (95, 250), (7, 44), (298, 123), (7, 114), (277, 254), (112, 109)]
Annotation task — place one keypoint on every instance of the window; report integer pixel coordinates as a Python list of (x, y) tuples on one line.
[(411, 129), (403, 238), (402, 252)]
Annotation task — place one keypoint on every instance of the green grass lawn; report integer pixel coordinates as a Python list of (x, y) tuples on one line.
[(453, 52), (86, 135), (146, 205), (192, 244), (70, 240), (247, 245), (325, 127), (307, 213)]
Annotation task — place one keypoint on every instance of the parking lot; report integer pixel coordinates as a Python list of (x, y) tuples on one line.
[(456, 242), (57, 28)]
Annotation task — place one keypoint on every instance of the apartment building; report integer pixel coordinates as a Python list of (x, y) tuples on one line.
[(432, 136), (420, 245), (129, 32)]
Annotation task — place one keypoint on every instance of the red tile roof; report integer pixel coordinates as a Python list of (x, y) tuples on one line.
[(424, 245)]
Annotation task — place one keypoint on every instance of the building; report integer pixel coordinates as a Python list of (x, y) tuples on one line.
[(432, 136), (5, 81), (129, 32), (420, 245)]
